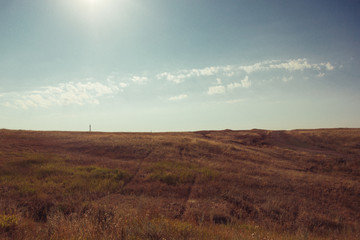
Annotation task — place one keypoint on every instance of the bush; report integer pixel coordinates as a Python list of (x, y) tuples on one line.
[(8, 223), (173, 173)]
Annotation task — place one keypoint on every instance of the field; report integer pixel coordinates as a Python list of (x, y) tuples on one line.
[(256, 184)]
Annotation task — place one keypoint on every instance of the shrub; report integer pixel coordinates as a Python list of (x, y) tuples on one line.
[(8, 223), (173, 173)]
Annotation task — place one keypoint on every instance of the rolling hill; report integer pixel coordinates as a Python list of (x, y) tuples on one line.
[(255, 184)]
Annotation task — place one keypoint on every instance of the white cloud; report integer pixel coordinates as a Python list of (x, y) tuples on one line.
[(138, 79), (182, 75), (234, 85), (300, 64), (320, 75), (244, 83), (294, 65), (111, 81), (90, 92), (178, 78), (208, 71), (123, 85), (229, 73), (329, 66), (179, 97), (216, 90), (63, 94), (254, 67)]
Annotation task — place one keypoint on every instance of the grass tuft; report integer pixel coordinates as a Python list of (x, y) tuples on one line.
[(8, 223)]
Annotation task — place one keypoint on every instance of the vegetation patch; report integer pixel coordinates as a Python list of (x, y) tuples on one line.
[(8, 222), (93, 179), (176, 172), (33, 179)]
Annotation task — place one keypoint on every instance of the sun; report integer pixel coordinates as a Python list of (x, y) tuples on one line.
[(92, 14), (94, 3)]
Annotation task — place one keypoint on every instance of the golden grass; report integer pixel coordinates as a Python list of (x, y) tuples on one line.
[(257, 184)]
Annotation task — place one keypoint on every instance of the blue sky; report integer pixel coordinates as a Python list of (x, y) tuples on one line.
[(160, 65)]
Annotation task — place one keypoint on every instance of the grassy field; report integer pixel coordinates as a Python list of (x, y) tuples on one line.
[(258, 184)]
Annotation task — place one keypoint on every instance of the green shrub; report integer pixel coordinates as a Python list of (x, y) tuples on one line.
[(102, 173), (94, 179), (208, 174), (8, 222), (173, 173), (32, 174)]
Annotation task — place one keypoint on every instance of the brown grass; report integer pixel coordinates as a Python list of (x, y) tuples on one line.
[(258, 184)]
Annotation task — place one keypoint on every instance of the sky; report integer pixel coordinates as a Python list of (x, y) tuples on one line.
[(179, 65)]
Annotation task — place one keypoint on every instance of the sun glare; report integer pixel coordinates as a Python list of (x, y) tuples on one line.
[(94, 15), (95, 9), (90, 8), (94, 3)]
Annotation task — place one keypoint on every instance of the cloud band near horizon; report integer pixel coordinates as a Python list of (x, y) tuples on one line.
[(91, 91)]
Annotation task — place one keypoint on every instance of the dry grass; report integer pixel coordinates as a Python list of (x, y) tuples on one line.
[(258, 184)]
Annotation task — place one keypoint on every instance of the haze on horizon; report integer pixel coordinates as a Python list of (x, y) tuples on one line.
[(180, 65)]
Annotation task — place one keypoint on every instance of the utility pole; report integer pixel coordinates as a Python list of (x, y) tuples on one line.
[(89, 127)]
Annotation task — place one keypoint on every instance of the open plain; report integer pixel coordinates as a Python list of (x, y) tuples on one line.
[(255, 184)]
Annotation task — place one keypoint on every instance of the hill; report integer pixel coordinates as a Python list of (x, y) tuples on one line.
[(256, 184)]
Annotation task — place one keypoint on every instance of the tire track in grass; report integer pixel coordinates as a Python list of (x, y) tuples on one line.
[(185, 207), (137, 170), (189, 191), (130, 179)]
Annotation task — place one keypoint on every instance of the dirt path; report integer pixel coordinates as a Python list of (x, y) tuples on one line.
[(137, 169), (184, 208)]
